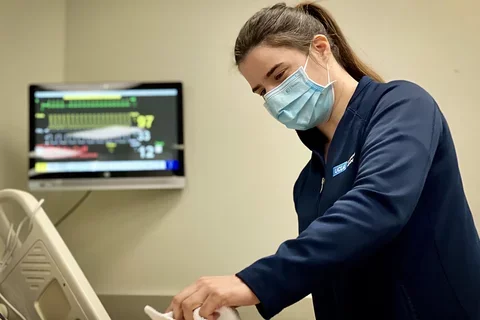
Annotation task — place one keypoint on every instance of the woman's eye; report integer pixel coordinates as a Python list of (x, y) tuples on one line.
[(279, 76), (264, 92)]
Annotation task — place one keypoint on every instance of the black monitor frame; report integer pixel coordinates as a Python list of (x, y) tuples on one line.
[(179, 172)]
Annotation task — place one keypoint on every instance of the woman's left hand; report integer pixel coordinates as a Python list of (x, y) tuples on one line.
[(211, 293)]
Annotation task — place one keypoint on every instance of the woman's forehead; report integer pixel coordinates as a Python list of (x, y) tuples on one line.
[(261, 59)]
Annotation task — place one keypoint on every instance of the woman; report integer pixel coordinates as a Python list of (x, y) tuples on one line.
[(385, 228)]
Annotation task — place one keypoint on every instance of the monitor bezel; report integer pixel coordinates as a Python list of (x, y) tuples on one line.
[(92, 176)]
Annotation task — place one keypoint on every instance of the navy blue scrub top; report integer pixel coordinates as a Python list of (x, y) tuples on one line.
[(385, 230)]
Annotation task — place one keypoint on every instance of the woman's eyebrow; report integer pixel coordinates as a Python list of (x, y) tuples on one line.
[(268, 75)]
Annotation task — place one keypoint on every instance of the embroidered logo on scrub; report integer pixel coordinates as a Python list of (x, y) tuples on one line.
[(343, 166)]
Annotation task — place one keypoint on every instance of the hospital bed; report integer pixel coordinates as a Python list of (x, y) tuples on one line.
[(39, 278)]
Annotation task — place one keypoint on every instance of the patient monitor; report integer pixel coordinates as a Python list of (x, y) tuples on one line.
[(39, 278)]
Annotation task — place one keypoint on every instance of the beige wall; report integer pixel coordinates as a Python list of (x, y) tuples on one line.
[(32, 48), (241, 164)]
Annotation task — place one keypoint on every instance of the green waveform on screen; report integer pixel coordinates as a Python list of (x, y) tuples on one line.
[(76, 121), (87, 104)]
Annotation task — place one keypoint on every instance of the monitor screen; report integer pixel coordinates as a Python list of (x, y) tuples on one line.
[(105, 131)]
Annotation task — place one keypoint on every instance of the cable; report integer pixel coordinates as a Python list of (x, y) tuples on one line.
[(73, 208), (12, 307), (13, 237)]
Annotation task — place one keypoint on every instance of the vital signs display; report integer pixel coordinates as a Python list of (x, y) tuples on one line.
[(105, 131)]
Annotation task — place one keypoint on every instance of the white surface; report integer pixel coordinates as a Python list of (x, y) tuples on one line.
[(41, 259), (225, 314)]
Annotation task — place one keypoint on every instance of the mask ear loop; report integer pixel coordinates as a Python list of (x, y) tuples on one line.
[(308, 57), (328, 74), (306, 63)]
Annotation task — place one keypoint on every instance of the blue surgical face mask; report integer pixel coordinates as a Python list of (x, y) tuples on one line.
[(299, 102)]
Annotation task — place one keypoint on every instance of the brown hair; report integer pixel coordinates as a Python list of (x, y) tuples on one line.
[(295, 27)]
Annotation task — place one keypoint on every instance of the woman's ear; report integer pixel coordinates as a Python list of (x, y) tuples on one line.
[(321, 45)]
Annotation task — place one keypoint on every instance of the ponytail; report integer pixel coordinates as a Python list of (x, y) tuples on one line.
[(342, 51), (295, 27)]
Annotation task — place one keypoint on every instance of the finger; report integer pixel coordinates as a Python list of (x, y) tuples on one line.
[(176, 304), (214, 316), (193, 302), (212, 303)]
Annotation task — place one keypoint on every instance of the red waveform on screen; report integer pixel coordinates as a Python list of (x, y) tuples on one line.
[(63, 152)]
